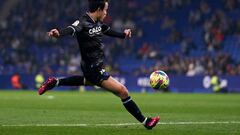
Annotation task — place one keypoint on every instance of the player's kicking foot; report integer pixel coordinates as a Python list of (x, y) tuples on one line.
[(151, 122), (48, 85)]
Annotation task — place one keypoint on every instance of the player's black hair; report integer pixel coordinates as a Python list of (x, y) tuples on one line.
[(95, 4)]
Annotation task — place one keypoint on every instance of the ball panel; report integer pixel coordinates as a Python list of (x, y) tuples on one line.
[(159, 80)]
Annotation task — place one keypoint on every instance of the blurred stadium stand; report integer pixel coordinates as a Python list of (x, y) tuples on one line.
[(181, 37)]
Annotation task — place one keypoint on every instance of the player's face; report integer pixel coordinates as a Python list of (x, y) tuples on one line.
[(103, 13)]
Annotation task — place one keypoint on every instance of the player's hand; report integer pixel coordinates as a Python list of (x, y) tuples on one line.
[(54, 33), (128, 33)]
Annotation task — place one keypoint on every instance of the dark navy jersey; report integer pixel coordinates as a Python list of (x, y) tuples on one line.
[(89, 35)]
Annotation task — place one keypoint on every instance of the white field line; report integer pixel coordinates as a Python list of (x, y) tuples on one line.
[(123, 124)]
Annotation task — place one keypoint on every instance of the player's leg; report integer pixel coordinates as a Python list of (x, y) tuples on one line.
[(68, 81), (71, 81), (120, 90)]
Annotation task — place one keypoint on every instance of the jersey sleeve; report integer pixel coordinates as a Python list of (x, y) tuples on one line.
[(109, 32), (72, 29), (76, 26), (105, 28)]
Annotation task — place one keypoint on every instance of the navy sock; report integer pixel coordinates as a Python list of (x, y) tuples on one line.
[(71, 81), (133, 109)]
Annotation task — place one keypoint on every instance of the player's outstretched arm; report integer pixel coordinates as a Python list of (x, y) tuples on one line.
[(126, 34), (112, 33), (63, 32)]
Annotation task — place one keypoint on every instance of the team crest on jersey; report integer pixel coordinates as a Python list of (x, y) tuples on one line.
[(76, 23), (95, 30)]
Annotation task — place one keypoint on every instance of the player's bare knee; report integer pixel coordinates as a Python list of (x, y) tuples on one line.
[(123, 93)]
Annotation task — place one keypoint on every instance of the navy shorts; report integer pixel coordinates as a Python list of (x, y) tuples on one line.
[(95, 75)]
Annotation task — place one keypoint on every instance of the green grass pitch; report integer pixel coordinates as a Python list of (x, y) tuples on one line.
[(101, 113)]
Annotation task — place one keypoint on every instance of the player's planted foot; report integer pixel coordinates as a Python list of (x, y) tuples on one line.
[(151, 122), (48, 85)]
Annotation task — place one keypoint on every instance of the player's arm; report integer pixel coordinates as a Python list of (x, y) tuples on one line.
[(109, 32), (70, 30)]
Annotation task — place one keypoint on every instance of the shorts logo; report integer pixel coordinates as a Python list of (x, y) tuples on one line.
[(102, 71), (96, 30)]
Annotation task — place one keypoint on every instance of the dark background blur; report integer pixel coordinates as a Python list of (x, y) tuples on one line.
[(181, 37)]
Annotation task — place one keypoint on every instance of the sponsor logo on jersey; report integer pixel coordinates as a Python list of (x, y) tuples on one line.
[(96, 30)]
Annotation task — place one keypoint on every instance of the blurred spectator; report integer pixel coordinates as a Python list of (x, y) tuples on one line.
[(191, 71), (175, 36), (39, 79), (205, 8), (187, 46), (143, 52), (230, 4), (16, 82), (218, 85), (168, 23), (190, 36), (195, 18)]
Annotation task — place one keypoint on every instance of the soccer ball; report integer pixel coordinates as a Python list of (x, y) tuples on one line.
[(159, 80)]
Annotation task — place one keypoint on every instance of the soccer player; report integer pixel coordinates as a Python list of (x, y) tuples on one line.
[(89, 30)]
